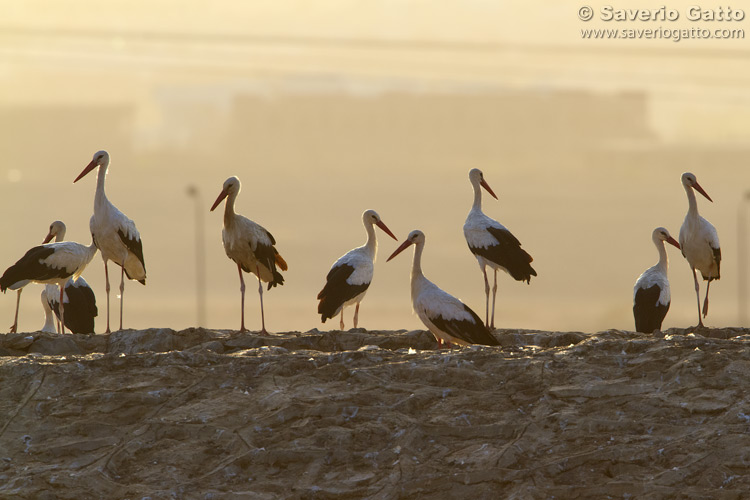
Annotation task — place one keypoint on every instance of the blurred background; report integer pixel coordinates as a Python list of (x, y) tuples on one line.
[(325, 109)]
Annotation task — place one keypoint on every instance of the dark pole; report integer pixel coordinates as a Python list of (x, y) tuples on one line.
[(200, 255)]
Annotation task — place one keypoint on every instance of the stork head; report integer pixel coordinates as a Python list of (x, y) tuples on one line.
[(689, 181), (661, 234), (477, 179), (101, 159), (416, 237), (56, 230), (231, 187), (372, 217)]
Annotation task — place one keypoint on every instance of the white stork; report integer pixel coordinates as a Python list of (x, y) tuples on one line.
[(351, 274), (56, 230), (493, 245), (250, 246), (80, 305), (699, 242), (50, 263), (115, 235), (651, 297), (449, 319)]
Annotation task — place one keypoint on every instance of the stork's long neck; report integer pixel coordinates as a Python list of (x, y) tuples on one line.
[(692, 202), (229, 213), (371, 246), (101, 175), (477, 197), (417, 276), (663, 260)]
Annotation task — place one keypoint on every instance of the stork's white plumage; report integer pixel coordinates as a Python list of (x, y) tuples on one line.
[(250, 246), (651, 297), (493, 245), (50, 263), (699, 242), (115, 235), (449, 319), (351, 275)]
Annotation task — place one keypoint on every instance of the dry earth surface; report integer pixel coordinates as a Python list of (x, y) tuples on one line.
[(205, 414)]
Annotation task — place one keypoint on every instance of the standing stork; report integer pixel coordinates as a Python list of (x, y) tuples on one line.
[(80, 305), (250, 246), (449, 319), (50, 263), (651, 296), (115, 235), (699, 242), (493, 245), (351, 275)]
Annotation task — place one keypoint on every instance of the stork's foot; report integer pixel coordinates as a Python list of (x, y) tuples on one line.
[(264, 332), (13, 329)]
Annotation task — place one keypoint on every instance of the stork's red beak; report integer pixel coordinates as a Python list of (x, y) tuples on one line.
[(47, 238), (486, 186), (382, 226), (400, 249), (698, 188), (91, 166), (222, 195), (672, 241)]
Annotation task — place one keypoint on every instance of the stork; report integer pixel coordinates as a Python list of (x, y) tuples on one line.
[(449, 319), (57, 231), (80, 305), (50, 263), (351, 275), (115, 235), (250, 246), (493, 245), (699, 242), (651, 297)]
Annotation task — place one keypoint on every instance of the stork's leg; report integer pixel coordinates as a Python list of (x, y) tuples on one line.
[(697, 297), (356, 315), (341, 321), (242, 300), (122, 292), (494, 296), (62, 309), (14, 328), (262, 314), (487, 297), (106, 279), (705, 302)]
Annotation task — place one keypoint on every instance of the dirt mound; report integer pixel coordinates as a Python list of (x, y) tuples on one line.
[(217, 415)]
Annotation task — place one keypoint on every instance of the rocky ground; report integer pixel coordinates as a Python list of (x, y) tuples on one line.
[(210, 414)]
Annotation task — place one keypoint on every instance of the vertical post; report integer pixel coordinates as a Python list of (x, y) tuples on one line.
[(200, 256)]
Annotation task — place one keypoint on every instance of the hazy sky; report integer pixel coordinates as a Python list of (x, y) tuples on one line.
[(577, 219)]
